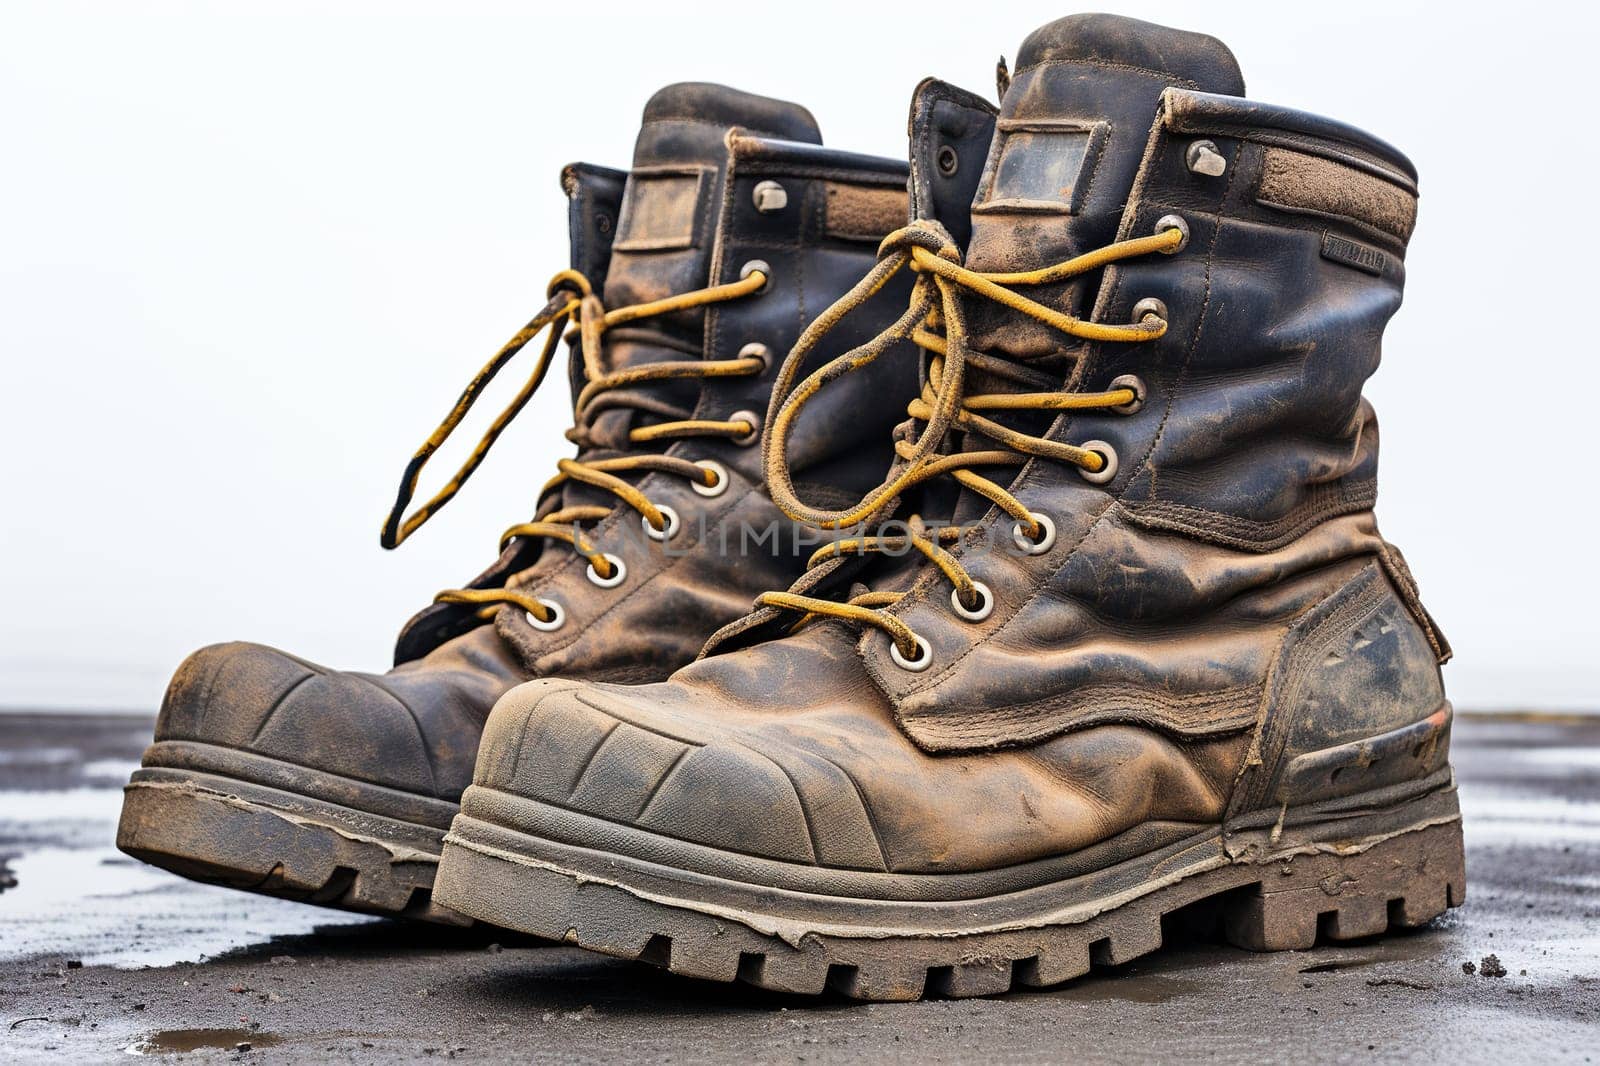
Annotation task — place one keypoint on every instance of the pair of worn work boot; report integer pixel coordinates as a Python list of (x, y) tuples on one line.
[(1070, 481)]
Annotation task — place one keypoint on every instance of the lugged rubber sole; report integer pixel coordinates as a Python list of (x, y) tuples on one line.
[(1281, 884), (213, 828)]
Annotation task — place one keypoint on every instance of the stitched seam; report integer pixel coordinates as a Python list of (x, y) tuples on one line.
[(1101, 64), (1411, 596), (1158, 712), (1324, 502), (1361, 598), (677, 120), (781, 168), (1367, 229), (1361, 604)]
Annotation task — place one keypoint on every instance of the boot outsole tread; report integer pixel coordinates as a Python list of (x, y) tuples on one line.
[(1288, 903), (234, 842)]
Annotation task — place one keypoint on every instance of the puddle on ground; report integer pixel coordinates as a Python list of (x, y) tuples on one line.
[(1564, 760), (1492, 815), (77, 896), (109, 771), (178, 1041)]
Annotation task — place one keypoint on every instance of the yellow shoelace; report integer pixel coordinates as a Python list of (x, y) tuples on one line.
[(942, 406), (572, 298)]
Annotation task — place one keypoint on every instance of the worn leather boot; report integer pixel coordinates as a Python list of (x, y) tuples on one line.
[(1161, 656), (733, 229)]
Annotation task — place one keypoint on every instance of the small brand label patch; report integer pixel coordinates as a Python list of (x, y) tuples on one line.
[(1352, 254)]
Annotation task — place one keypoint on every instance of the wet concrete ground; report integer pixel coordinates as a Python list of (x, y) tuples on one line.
[(101, 956)]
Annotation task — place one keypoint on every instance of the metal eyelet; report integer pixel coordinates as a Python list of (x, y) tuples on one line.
[(985, 603), (947, 160), (923, 660), (1105, 473), (662, 534), (757, 350), (1149, 306), (558, 617), (714, 490), (769, 197), (1134, 383), (1166, 222), (766, 271), (754, 435), (619, 572), (1046, 540)]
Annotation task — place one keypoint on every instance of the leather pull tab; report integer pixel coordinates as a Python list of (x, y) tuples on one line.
[(1002, 79), (1394, 564)]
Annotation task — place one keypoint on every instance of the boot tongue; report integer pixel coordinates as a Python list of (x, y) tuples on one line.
[(1073, 128), (667, 231), (950, 130)]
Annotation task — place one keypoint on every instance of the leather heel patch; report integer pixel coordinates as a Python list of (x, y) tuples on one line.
[(1405, 754)]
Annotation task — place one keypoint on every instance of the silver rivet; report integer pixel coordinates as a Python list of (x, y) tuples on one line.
[(755, 427), (974, 614), (671, 529), (1105, 473), (1203, 158), (619, 572), (1149, 306), (558, 617), (756, 350), (719, 486), (769, 197), (1047, 535), (923, 660), (1166, 222), (766, 271), (1134, 383)]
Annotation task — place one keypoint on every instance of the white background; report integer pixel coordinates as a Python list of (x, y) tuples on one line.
[(248, 260)]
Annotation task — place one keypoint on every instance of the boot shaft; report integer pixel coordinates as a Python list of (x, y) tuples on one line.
[(722, 182), (1239, 489)]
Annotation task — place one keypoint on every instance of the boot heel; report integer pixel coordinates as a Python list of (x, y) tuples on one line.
[(1402, 882)]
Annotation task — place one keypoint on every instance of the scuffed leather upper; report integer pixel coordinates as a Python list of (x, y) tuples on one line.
[(416, 728), (1223, 603), (781, 751)]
